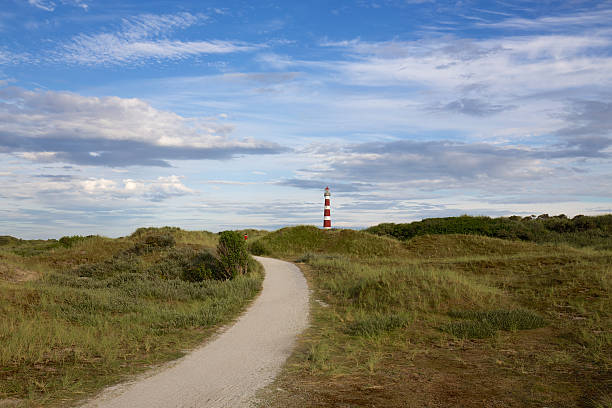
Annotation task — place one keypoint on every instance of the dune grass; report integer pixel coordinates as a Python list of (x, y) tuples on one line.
[(482, 324), (447, 320), (101, 309)]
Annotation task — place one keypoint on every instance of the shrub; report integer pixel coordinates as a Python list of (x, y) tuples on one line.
[(68, 242), (157, 240), (233, 255), (205, 266), (258, 248), (110, 267), (578, 231), (144, 231), (150, 241)]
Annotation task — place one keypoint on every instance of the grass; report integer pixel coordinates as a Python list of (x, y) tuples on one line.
[(447, 320), (478, 324), (377, 323), (99, 309), (305, 240)]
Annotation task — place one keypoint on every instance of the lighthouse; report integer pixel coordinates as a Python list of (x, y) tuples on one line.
[(327, 210)]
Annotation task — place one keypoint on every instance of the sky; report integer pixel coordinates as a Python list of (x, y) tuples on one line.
[(231, 114)]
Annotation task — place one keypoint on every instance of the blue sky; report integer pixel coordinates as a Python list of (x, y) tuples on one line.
[(217, 115)]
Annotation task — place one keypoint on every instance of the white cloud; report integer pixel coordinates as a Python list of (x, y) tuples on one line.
[(581, 19), (95, 189), (42, 114), (49, 5), (63, 126), (505, 66), (46, 5), (81, 4), (154, 190), (152, 25), (110, 49), (38, 156), (275, 61), (144, 38), (7, 57), (94, 186), (231, 182)]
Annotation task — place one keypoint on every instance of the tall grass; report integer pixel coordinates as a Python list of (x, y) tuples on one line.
[(444, 313), (104, 308)]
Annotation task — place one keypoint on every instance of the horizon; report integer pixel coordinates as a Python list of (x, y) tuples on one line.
[(119, 115), (320, 226)]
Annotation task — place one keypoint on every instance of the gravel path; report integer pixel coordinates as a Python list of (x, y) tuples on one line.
[(229, 370)]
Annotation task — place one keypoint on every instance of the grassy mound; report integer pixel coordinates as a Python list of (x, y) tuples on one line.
[(8, 240), (458, 245), (301, 240)]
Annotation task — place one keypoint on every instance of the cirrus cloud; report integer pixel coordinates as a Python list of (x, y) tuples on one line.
[(141, 39)]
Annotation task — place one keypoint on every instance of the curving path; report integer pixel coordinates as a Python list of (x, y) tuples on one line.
[(229, 370)]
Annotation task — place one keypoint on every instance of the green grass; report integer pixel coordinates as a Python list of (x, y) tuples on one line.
[(482, 324), (102, 309), (446, 320), (372, 324)]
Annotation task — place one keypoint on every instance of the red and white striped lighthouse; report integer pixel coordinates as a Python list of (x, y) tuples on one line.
[(327, 210)]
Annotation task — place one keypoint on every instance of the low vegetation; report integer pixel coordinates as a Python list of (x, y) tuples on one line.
[(449, 319), (80, 313), (580, 231)]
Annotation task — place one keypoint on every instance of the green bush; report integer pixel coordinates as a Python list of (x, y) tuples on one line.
[(205, 266), (157, 240), (68, 242), (258, 248), (578, 231), (233, 255), (144, 231), (147, 240)]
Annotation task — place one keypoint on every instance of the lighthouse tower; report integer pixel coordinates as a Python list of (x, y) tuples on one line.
[(327, 210)]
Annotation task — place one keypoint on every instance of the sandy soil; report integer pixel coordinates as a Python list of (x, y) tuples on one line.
[(229, 370)]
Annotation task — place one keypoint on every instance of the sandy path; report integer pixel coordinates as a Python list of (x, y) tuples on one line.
[(229, 370)]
